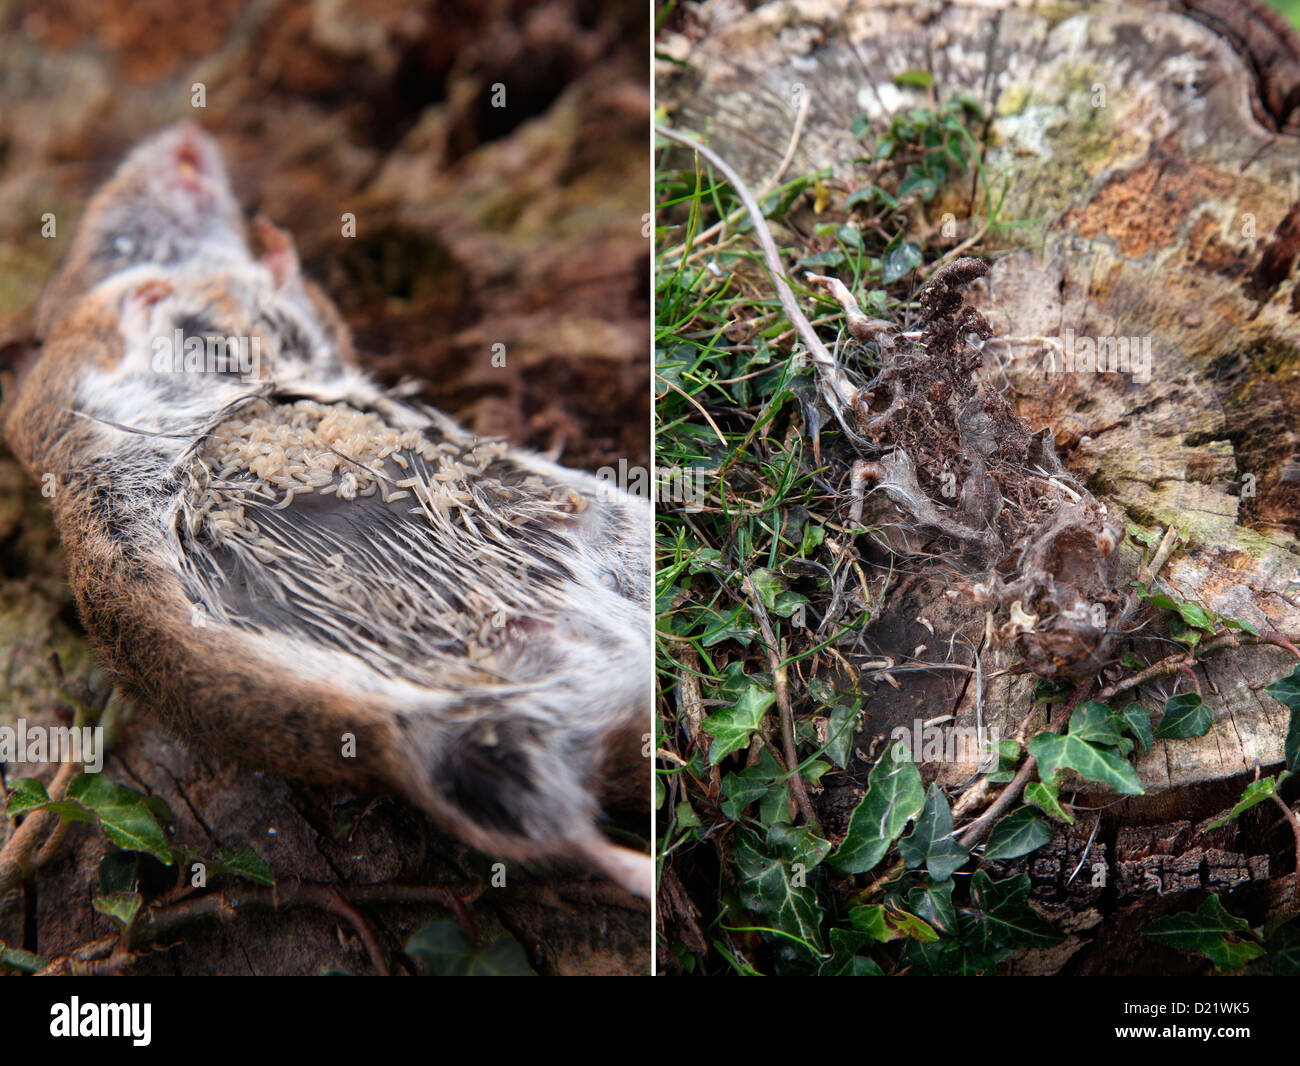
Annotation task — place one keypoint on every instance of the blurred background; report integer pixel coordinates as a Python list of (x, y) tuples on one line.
[(1289, 8), (476, 224)]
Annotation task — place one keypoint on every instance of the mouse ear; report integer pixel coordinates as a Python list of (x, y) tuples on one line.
[(279, 255), (139, 302)]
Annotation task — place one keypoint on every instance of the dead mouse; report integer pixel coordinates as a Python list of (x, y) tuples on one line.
[(310, 573)]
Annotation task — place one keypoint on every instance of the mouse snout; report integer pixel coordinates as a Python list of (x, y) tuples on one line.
[(193, 152), (186, 168)]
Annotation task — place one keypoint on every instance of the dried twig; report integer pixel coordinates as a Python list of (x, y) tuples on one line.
[(767, 187), (977, 829), (1184, 660), (110, 954), (839, 389), (775, 658)]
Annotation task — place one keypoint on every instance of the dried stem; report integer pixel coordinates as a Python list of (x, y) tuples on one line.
[(977, 829), (768, 186), (775, 657), (836, 384), (109, 954)]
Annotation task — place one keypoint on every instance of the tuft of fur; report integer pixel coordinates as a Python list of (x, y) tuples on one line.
[(283, 555), (1031, 542)]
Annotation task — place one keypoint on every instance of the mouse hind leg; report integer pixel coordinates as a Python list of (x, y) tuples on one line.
[(521, 787)]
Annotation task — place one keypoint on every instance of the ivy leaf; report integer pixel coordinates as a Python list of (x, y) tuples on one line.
[(922, 79), (894, 796), (15, 960), (1185, 716), (160, 809), (1008, 756), (1142, 536), (70, 810), (1210, 931), (118, 872), (970, 954), (1050, 692), (1095, 723), (1286, 690), (124, 816), (1004, 906), (737, 626), (703, 559), (845, 960), (732, 728), (767, 886), (1044, 797), (931, 841), (1055, 753), (245, 863), (850, 236), (120, 907), (1190, 613), (1256, 793), (1284, 950), (840, 729), (932, 903), (441, 949), (907, 256), (762, 783), (1183, 633), (820, 260), (798, 845), (1138, 722), (1019, 833), (25, 794), (869, 194), (503, 957), (28, 795), (969, 103), (771, 590), (891, 923), (1237, 623)]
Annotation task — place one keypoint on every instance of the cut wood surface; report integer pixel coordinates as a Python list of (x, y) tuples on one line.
[(1151, 201)]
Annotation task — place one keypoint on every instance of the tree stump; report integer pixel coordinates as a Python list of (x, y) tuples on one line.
[(1151, 168)]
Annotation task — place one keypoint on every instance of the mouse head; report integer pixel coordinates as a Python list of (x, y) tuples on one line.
[(168, 204), (236, 325)]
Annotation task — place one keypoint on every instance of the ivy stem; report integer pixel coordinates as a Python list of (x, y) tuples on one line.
[(1185, 659), (1280, 640), (16, 856), (976, 831)]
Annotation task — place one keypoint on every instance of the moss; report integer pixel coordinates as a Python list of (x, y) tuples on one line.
[(1056, 13), (1012, 101), (1272, 355)]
